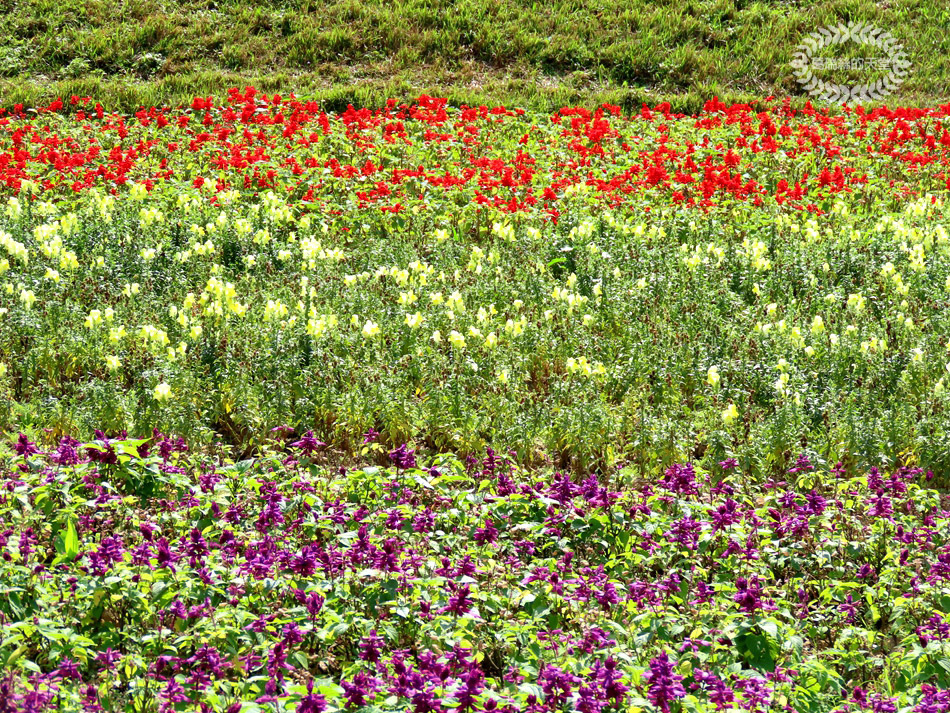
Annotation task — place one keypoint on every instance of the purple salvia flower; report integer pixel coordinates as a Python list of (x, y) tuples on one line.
[(665, 686), (308, 444), (312, 702), (403, 458), (24, 446)]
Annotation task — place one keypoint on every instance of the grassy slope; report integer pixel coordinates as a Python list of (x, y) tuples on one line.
[(535, 54)]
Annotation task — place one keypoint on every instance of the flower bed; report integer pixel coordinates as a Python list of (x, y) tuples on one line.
[(136, 575)]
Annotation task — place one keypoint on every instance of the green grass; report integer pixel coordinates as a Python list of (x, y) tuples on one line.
[(538, 55)]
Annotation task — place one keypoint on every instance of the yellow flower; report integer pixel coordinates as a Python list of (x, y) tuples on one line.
[(112, 362), (712, 376), (162, 392), (27, 298), (370, 329), (274, 310), (456, 340), (414, 320), (781, 383), (730, 414)]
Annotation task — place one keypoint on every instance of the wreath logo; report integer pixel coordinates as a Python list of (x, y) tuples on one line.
[(894, 61)]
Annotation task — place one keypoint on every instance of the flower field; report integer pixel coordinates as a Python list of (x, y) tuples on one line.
[(136, 576), (587, 286), (474, 408)]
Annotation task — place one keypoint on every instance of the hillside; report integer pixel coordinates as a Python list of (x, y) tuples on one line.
[(538, 55)]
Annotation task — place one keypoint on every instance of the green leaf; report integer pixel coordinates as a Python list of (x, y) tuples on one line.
[(769, 627), (71, 541), (757, 651)]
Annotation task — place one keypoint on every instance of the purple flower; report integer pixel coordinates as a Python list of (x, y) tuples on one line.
[(312, 601), (283, 431), (66, 453), (725, 515), (403, 458), (704, 593), (370, 436), (608, 597), (801, 464), (556, 685), (102, 451), (458, 603), (174, 692), (472, 686), (749, 594), (849, 608), (728, 464), (815, 504), (68, 669), (720, 695), (680, 479), (371, 647), (665, 686), (685, 532), (423, 521), (487, 534), (308, 444), (882, 704), (361, 690), (108, 658), (311, 703), (164, 554), (610, 677), (881, 507), (24, 447)]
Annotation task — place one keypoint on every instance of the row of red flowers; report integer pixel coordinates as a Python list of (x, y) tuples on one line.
[(491, 156)]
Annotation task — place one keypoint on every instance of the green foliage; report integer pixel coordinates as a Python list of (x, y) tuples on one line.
[(542, 55), (793, 595)]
